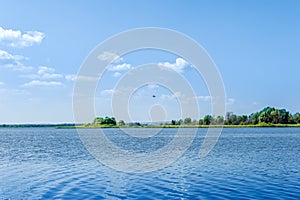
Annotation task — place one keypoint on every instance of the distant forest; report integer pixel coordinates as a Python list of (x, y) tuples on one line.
[(268, 115)]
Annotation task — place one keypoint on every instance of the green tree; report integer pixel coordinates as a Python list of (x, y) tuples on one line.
[(98, 120), (106, 120), (233, 119), (187, 120), (242, 119), (297, 118), (207, 119), (201, 122), (254, 118), (179, 122), (121, 123), (219, 120)]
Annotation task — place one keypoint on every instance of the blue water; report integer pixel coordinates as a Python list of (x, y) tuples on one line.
[(253, 163)]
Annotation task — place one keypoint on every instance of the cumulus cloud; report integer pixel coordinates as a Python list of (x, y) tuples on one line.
[(18, 66), (87, 78), (45, 73), (5, 91), (204, 98), (230, 101), (110, 56), (170, 97), (152, 86), (44, 70), (15, 38), (178, 66), (42, 83), (48, 73), (70, 77), (13, 61), (107, 92), (4, 55), (117, 74), (120, 67)]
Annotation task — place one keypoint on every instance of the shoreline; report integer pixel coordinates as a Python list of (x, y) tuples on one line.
[(82, 126), (183, 126)]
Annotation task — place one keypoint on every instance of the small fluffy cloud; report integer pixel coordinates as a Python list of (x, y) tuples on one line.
[(170, 97), (15, 38), (87, 78), (45, 73), (18, 66), (48, 73), (1, 83), (4, 55), (13, 61), (41, 83), (107, 92), (204, 98), (230, 101), (4, 91), (109, 56), (117, 74), (116, 61), (44, 70), (70, 77), (178, 66), (152, 86), (120, 67)]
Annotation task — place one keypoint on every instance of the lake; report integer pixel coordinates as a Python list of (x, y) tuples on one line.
[(246, 163)]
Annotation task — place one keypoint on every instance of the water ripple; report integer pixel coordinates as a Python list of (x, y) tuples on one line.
[(245, 164)]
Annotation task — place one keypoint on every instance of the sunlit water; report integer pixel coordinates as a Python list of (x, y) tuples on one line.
[(258, 163)]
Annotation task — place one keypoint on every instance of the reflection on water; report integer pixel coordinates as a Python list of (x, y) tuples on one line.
[(246, 163)]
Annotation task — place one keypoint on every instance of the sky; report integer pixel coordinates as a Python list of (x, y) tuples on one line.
[(254, 44)]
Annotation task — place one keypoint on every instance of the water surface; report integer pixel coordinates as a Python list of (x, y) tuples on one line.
[(258, 163)]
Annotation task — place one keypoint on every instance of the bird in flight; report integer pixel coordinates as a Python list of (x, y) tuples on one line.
[(153, 96)]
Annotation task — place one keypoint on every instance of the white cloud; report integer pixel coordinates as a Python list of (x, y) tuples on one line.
[(172, 96), (71, 77), (13, 61), (45, 73), (109, 56), (4, 91), (116, 61), (204, 98), (117, 74), (87, 78), (18, 66), (51, 76), (152, 86), (44, 70), (1, 83), (15, 38), (48, 73), (42, 83), (230, 101), (107, 92), (178, 66), (120, 67), (4, 55)]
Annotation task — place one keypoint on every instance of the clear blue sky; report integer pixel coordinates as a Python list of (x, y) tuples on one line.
[(255, 44)]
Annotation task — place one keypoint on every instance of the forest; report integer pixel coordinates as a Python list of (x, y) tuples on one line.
[(267, 116)]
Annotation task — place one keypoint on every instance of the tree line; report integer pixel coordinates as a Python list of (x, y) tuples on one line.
[(268, 115)]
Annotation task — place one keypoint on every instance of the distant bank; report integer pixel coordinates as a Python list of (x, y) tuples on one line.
[(39, 125), (267, 117)]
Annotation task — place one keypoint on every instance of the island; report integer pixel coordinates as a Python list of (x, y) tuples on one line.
[(267, 117)]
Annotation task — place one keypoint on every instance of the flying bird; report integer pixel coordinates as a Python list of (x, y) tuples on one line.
[(153, 96)]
